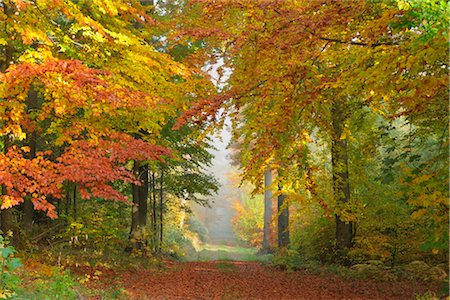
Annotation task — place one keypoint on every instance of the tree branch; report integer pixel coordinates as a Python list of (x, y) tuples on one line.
[(356, 43), (373, 45)]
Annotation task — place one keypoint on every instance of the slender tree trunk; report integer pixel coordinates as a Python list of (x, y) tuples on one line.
[(161, 209), (6, 218), (135, 207), (143, 195), (68, 201), (58, 209), (6, 222), (266, 247), (283, 221), (154, 214), (341, 186), (6, 214), (75, 208), (28, 207), (151, 203)]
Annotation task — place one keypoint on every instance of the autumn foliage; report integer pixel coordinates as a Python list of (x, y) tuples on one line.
[(78, 101), (338, 113)]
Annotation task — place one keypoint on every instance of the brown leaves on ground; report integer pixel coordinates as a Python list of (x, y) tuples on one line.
[(250, 280)]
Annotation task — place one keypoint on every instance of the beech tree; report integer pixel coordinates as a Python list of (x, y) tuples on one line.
[(98, 83), (302, 68)]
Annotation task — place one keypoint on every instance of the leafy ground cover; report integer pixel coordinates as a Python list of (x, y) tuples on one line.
[(248, 280), (215, 272), (233, 272)]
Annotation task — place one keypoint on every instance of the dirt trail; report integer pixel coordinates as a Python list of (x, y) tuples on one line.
[(250, 280)]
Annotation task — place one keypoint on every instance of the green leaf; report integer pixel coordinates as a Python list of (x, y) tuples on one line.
[(6, 252), (15, 263)]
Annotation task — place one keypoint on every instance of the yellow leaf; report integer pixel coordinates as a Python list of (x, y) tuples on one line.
[(418, 214), (10, 201)]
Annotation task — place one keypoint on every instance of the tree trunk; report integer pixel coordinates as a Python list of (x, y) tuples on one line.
[(341, 186), (6, 222), (161, 209), (28, 207), (151, 203), (266, 247), (58, 209), (135, 207), (68, 201), (6, 214), (140, 195), (75, 208), (143, 195), (154, 214), (283, 221)]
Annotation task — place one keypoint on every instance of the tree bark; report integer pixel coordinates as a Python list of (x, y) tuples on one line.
[(143, 195), (28, 207), (135, 207), (6, 221), (341, 185), (283, 221), (154, 214), (68, 201), (161, 209), (6, 214), (151, 203), (266, 247), (139, 197), (75, 207)]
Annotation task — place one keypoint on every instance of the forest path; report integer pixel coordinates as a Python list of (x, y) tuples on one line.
[(215, 252), (248, 280)]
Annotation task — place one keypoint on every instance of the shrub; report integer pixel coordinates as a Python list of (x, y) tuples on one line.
[(56, 285), (9, 281), (316, 240), (176, 242)]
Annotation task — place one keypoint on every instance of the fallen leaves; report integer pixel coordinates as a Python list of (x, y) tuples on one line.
[(250, 280)]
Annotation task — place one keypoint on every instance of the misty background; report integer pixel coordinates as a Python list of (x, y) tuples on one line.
[(218, 217)]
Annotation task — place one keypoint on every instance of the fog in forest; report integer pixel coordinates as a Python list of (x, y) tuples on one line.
[(217, 218)]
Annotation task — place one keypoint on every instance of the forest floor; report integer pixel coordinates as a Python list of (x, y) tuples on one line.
[(230, 279), (248, 280)]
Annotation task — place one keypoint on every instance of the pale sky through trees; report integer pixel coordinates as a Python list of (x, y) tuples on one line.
[(221, 211)]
